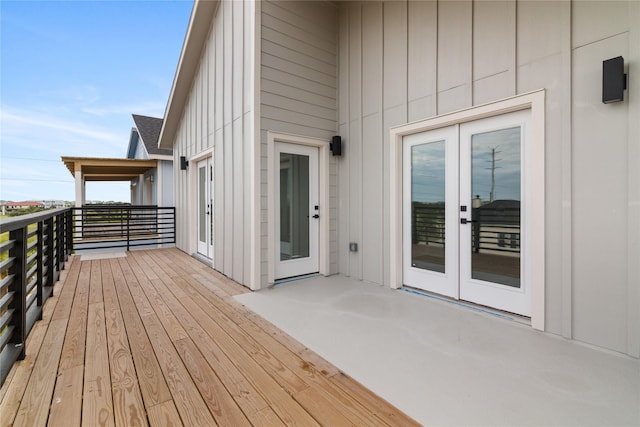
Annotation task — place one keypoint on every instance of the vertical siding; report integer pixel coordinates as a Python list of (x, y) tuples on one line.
[(402, 61), (217, 120), (600, 200), (298, 89)]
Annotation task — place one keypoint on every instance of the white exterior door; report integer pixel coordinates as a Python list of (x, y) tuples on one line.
[(466, 221), (297, 210), (205, 207)]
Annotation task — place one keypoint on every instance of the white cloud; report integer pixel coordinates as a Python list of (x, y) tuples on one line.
[(149, 109), (12, 119)]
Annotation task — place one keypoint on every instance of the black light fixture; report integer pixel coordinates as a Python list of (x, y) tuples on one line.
[(183, 163), (614, 80), (336, 146)]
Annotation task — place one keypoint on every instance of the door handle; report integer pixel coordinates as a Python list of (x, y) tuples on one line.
[(316, 216), (467, 221)]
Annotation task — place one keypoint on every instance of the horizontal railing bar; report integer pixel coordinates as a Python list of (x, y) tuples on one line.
[(31, 285), (14, 223), (32, 233), (31, 258), (6, 264), (5, 246), (6, 281), (30, 300), (5, 337), (32, 270), (6, 318), (6, 299)]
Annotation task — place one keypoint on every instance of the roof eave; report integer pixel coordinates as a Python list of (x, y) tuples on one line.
[(197, 32)]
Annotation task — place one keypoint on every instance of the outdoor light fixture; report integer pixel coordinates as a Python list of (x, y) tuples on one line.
[(614, 80), (183, 163), (336, 146)]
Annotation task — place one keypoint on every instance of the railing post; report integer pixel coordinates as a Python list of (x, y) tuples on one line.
[(40, 265), (128, 225), (19, 287), (173, 211), (59, 242), (69, 232), (50, 252)]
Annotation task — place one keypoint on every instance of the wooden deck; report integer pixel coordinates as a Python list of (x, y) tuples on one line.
[(156, 339)]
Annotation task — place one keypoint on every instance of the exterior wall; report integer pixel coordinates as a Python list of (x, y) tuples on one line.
[(402, 61), (165, 170), (136, 196), (218, 120), (298, 90), (140, 153)]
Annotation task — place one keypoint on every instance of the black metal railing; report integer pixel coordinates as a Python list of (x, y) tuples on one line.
[(33, 250), (98, 227)]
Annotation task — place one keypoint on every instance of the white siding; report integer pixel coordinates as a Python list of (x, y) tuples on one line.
[(298, 89), (218, 120), (402, 61)]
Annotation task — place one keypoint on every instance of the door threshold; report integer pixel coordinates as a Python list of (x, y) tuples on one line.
[(203, 259), (295, 278), (472, 306)]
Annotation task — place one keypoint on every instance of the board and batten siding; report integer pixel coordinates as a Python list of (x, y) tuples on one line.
[(298, 90), (218, 121), (401, 61)]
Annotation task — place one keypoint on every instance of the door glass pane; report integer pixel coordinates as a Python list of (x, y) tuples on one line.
[(202, 204), (294, 206), (428, 206), (495, 186)]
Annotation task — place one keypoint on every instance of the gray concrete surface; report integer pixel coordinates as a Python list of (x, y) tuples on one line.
[(446, 364)]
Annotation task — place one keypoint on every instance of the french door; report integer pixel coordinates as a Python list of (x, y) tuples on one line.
[(205, 207), (465, 221), (297, 210)]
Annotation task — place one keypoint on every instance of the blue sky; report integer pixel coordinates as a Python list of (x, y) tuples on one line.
[(71, 75)]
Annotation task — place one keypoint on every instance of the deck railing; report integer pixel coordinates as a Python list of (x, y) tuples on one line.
[(101, 227), (33, 250)]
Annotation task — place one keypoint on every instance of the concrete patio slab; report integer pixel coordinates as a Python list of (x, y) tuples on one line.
[(445, 364)]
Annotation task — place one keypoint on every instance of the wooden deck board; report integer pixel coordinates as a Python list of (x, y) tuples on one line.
[(128, 406), (13, 389), (157, 339)]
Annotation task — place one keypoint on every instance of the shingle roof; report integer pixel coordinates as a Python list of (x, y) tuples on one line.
[(149, 130)]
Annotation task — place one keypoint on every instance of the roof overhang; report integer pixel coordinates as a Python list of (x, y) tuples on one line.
[(104, 169), (197, 32)]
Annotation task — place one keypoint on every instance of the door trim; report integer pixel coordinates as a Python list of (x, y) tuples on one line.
[(534, 101), (323, 172)]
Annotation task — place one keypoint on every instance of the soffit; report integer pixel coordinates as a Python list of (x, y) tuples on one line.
[(105, 169)]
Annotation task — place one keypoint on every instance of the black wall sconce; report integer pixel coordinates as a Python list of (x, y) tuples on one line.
[(184, 163), (336, 146), (614, 80)]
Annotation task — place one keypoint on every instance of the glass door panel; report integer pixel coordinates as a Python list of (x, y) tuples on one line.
[(492, 184), (428, 206), (495, 207), (205, 207), (294, 206), (430, 198), (202, 203)]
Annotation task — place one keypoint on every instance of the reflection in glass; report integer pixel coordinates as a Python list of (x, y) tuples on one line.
[(428, 206), (294, 206), (495, 185), (202, 181)]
